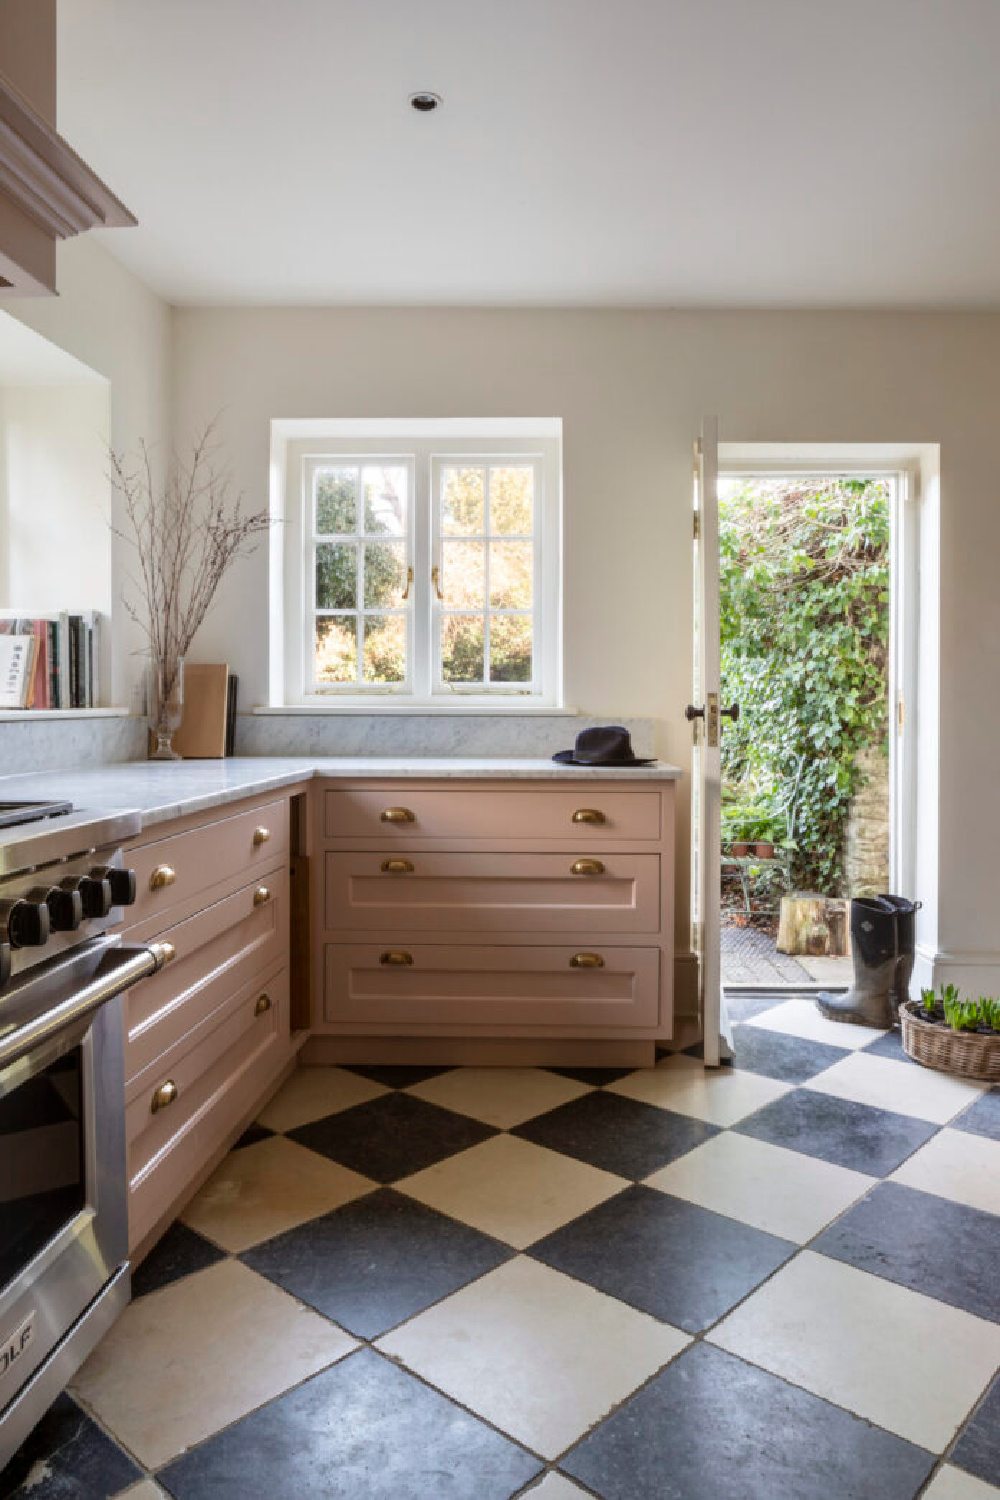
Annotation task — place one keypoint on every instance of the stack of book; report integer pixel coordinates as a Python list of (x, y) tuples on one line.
[(51, 662)]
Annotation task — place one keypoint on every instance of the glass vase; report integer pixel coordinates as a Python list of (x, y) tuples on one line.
[(166, 706)]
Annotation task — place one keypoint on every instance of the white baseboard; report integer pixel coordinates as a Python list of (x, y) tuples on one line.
[(974, 972)]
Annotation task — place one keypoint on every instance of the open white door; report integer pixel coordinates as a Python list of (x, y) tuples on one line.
[(705, 714)]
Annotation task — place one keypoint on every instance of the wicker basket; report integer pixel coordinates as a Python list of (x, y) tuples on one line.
[(966, 1053)]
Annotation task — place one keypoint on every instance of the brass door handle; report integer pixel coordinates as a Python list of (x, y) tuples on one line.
[(263, 1005), (589, 815), (586, 961), (436, 580), (395, 958), (161, 877), (260, 836), (164, 1095), (397, 815), (397, 867), (261, 895), (587, 867)]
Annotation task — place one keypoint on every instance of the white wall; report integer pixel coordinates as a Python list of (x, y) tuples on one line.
[(631, 388)]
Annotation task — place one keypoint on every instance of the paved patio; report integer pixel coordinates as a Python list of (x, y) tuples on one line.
[(750, 957)]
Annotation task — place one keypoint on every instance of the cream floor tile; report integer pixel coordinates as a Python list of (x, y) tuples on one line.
[(192, 1357), (312, 1093), (512, 1189), (555, 1487), (779, 1191), (264, 1189), (720, 1095), (902, 1360), (146, 1489), (899, 1086), (541, 1356), (959, 1166), (499, 1096), (950, 1483), (803, 1018)]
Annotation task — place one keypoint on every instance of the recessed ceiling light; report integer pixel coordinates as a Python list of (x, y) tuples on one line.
[(424, 102)]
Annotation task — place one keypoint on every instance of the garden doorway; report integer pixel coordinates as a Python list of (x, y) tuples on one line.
[(810, 646)]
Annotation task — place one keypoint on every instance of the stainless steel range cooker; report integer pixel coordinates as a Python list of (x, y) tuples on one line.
[(64, 1273)]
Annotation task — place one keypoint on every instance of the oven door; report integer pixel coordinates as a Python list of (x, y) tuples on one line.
[(63, 1179)]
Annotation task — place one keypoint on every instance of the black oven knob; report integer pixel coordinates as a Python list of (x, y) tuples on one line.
[(65, 909), (27, 922), (95, 895), (122, 883)]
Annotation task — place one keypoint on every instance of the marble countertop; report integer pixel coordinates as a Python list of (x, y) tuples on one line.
[(158, 791)]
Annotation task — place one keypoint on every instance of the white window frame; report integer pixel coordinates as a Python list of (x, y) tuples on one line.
[(299, 448)]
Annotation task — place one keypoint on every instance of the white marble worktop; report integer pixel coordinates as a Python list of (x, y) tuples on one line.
[(159, 791)]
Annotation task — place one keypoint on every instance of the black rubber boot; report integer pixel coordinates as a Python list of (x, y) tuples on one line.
[(873, 943), (906, 943)]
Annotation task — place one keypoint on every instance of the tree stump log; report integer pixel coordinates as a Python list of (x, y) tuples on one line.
[(814, 925)]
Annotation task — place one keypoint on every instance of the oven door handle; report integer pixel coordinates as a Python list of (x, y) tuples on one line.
[(129, 966)]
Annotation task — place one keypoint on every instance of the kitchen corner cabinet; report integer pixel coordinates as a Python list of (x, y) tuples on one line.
[(510, 921)]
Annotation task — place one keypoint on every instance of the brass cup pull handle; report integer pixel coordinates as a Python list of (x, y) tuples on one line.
[(260, 836), (586, 961), (261, 895), (397, 867), (161, 877), (587, 867), (397, 815), (164, 1095), (262, 1006), (589, 815), (395, 958)]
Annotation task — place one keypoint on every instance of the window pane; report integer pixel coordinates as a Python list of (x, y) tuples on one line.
[(385, 575), (511, 570), (336, 501), (510, 648), (462, 502), (336, 575), (384, 658), (462, 648), (384, 490), (464, 569), (511, 500), (336, 655)]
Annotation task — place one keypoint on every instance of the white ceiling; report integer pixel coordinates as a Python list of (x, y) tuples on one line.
[(610, 152)]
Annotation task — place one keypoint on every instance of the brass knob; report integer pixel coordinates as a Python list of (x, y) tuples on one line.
[(261, 895), (397, 815), (164, 1095), (395, 957), (589, 815), (165, 952), (263, 1005), (161, 877), (586, 961), (260, 836), (587, 867), (397, 867)]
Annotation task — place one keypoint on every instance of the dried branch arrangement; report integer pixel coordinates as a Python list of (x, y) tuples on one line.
[(186, 535)]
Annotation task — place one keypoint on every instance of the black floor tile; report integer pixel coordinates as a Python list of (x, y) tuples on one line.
[(792, 1059), (853, 1135), (361, 1430), (890, 1045), (981, 1118), (400, 1077), (177, 1254), (376, 1261), (712, 1426), (978, 1449), (923, 1242), (673, 1259), (617, 1134), (597, 1077), (252, 1135), (391, 1136), (67, 1457)]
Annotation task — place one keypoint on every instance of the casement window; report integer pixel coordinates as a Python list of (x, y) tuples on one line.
[(422, 568)]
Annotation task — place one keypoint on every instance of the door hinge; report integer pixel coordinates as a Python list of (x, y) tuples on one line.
[(697, 525)]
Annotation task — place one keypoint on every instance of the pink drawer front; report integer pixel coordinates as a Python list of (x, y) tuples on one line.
[(482, 893), (585, 814), (509, 989)]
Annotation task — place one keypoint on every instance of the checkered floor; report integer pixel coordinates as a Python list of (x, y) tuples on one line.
[(778, 1279)]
